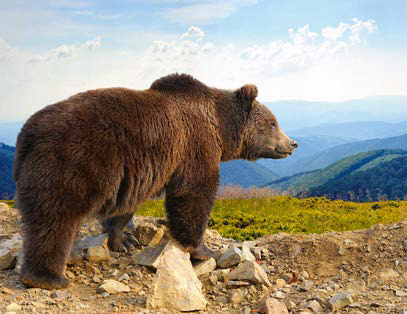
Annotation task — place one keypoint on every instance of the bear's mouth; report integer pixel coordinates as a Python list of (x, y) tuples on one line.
[(283, 153)]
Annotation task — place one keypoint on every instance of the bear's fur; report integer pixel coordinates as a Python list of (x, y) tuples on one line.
[(103, 152)]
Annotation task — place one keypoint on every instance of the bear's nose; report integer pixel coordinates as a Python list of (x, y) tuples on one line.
[(294, 144)]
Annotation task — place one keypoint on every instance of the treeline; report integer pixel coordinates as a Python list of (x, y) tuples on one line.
[(7, 185), (385, 181)]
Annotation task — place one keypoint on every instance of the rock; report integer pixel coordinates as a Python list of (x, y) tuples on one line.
[(237, 283), (59, 295), (341, 251), (274, 306), (400, 293), (339, 301), (113, 287), (87, 242), (389, 274), (213, 279), (13, 307), (151, 256), (6, 212), (246, 254), (221, 273), (279, 295), (230, 258), (205, 267), (280, 283), (236, 296), (97, 254), (148, 234), (250, 271), (124, 277), (306, 285), (257, 252), (314, 306), (304, 275), (176, 285), (9, 250), (222, 299)]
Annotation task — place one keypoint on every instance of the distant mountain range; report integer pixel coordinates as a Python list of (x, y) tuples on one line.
[(245, 173), (298, 114), (7, 185), (326, 157), (339, 180)]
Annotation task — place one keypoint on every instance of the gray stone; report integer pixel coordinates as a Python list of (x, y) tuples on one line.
[(9, 250), (176, 285), (256, 252), (306, 285), (236, 296), (205, 267), (250, 271), (97, 254), (230, 258), (339, 301), (148, 234), (151, 256), (314, 306), (246, 254), (274, 306), (113, 287)]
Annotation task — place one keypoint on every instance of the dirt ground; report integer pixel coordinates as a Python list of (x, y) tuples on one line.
[(369, 265)]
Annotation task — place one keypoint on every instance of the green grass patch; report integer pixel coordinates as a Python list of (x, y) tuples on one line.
[(247, 219)]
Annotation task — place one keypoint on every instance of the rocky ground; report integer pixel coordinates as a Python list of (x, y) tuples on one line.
[(345, 272)]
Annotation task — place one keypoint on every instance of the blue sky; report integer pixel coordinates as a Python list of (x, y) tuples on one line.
[(312, 50)]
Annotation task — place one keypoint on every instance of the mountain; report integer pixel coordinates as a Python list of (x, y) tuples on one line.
[(358, 130), (345, 169), (330, 155), (298, 114), (9, 132), (379, 180), (244, 173), (307, 146), (7, 185)]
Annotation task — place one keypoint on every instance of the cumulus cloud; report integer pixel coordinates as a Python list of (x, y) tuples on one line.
[(303, 48), (8, 53)]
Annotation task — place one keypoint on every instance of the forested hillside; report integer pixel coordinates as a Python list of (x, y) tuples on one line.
[(386, 179), (345, 175), (7, 186)]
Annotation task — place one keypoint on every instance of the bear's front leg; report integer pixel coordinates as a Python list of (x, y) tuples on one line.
[(188, 204)]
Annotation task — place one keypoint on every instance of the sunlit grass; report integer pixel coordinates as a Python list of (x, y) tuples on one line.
[(246, 219)]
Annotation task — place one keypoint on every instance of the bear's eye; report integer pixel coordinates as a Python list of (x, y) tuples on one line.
[(273, 124)]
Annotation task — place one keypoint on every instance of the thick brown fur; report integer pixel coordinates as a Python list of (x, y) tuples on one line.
[(103, 152)]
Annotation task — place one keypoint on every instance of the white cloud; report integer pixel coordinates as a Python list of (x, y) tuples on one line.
[(10, 54), (203, 12), (353, 31), (331, 63)]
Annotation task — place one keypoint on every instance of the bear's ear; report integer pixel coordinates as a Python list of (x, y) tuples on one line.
[(247, 94)]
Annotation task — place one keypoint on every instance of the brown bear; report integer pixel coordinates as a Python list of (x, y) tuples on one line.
[(103, 152)]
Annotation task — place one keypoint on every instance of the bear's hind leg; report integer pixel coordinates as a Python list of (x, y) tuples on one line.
[(48, 241), (114, 228)]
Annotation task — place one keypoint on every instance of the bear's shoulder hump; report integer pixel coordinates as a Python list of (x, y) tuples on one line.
[(178, 83)]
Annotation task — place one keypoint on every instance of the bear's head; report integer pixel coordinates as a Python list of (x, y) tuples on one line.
[(262, 135)]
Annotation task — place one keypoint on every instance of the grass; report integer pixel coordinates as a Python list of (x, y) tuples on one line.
[(248, 218)]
